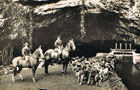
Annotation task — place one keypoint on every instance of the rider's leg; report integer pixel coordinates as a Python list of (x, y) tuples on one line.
[(27, 60), (59, 54)]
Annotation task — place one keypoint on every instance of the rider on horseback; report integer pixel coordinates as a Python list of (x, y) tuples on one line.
[(26, 53), (58, 46)]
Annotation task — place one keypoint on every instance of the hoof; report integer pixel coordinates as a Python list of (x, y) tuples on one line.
[(80, 84), (96, 84), (46, 74), (64, 75), (34, 80), (13, 80), (99, 85), (22, 79), (88, 83)]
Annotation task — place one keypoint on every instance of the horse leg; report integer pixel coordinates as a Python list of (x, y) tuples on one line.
[(33, 71), (14, 74), (63, 70), (21, 76), (66, 68), (20, 68), (47, 62)]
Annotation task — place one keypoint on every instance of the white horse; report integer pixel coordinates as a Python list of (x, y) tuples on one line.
[(19, 63)]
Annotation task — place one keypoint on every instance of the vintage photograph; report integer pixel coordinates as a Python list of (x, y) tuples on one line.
[(69, 44)]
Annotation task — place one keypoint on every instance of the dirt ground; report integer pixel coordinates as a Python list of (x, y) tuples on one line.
[(55, 81)]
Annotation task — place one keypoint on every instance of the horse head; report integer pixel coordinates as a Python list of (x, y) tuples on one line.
[(38, 53), (71, 46)]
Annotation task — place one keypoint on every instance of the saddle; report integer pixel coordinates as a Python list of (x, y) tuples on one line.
[(27, 61), (23, 58), (56, 51)]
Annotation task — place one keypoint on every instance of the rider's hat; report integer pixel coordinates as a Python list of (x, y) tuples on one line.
[(39, 46), (26, 44), (58, 36)]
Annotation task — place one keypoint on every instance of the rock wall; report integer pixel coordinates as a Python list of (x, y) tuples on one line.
[(103, 23), (15, 28)]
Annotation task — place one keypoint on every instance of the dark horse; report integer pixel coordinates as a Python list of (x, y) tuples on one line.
[(19, 63), (51, 55)]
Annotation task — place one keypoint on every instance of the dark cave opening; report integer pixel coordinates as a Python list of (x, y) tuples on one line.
[(100, 29)]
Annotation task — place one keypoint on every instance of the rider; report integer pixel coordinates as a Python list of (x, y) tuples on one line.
[(58, 46), (26, 53)]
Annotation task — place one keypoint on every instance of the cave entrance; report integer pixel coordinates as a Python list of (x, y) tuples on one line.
[(44, 38), (100, 29), (66, 23)]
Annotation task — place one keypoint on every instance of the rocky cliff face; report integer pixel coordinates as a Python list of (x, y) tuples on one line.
[(15, 29), (103, 22), (126, 10), (16, 22)]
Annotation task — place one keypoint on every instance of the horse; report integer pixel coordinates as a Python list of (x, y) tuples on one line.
[(51, 55), (19, 63)]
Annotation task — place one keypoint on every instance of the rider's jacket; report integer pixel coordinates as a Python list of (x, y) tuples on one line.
[(58, 43), (26, 51)]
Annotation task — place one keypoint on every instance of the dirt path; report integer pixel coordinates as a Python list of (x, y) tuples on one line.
[(55, 81)]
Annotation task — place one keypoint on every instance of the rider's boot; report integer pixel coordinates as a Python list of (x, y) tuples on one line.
[(29, 65), (59, 59)]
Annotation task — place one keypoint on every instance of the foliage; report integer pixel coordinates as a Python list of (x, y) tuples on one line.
[(17, 21)]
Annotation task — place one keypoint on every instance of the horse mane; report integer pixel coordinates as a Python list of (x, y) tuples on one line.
[(67, 46), (35, 53)]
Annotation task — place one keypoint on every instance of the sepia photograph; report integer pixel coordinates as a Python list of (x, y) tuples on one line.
[(69, 44)]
